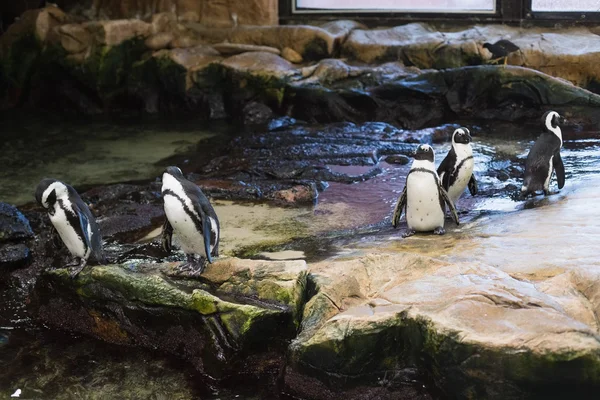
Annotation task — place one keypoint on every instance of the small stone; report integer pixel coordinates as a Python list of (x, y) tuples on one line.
[(13, 224), (159, 41), (74, 38), (397, 159), (299, 194), (256, 113), (291, 55), (502, 176), (14, 256)]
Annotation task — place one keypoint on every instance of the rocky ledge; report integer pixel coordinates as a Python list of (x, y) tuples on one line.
[(238, 309), (253, 73)]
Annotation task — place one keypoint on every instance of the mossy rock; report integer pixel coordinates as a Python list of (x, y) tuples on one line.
[(242, 294)]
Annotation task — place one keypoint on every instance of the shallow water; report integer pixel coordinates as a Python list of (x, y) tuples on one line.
[(88, 152)]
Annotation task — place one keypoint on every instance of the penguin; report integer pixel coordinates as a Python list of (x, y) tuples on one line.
[(73, 221), (423, 196), (544, 157), (192, 218), (456, 171)]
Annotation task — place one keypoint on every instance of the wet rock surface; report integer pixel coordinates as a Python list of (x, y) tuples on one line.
[(13, 224), (238, 310)]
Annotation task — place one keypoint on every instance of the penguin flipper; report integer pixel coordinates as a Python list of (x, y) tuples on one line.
[(398, 209), (206, 231), (443, 172), (167, 236), (473, 189), (448, 201), (559, 168)]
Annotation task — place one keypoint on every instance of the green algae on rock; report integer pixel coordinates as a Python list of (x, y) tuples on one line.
[(236, 308)]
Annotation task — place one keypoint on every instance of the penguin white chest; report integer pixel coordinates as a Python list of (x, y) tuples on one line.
[(184, 228), (462, 180), (423, 211), (68, 235)]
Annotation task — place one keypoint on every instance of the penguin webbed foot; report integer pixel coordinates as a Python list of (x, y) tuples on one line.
[(409, 232), (76, 267), (439, 230), (193, 266)]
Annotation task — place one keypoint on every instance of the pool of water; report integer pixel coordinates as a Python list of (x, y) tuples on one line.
[(90, 151)]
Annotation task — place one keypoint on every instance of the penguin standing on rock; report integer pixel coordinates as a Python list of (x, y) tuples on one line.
[(423, 197), (456, 171), (73, 221), (544, 157), (192, 218)]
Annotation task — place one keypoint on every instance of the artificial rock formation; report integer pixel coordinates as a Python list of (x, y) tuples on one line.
[(238, 308)]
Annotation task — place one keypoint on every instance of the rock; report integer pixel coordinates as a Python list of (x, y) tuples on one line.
[(251, 12), (382, 315), (74, 38), (260, 64), (411, 43), (13, 224), (233, 48), (40, 23), (13, 256), (237, 308), (399, 159), (256, 114), (291, 55), (299, 194), (309, 41), (163, 22), (159, 41), (189, 16), (185, 41), (341, 28), (115, 32), (48, 18)]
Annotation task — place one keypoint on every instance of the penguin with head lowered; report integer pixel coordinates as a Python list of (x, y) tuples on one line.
[(423, 197), (456, 171), (544, 157), (192, 218), (73, 221)]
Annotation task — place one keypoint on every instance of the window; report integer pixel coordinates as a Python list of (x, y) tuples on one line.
[(565, 5), (405, 6)]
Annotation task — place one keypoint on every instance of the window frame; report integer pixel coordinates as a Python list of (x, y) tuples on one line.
[(311, 11), (506, 11), (580, 16)]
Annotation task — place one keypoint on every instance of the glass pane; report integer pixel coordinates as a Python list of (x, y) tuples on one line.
[(401, 5), (565, 5)]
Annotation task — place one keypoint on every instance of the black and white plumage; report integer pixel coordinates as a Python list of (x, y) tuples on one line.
[(423, 196), (544, 157), (501, 49), (192, 218), (456, 171), (73, 221)]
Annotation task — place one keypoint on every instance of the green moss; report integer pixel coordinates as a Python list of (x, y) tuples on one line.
[(204, 302)]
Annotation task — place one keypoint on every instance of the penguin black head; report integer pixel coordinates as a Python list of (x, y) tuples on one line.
[(174, 171), (461, 136), (48, 191), (551, 120), (424, 152)]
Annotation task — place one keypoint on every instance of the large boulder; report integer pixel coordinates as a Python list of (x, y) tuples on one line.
[(477, 331), (238, 307), (564, 53)]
